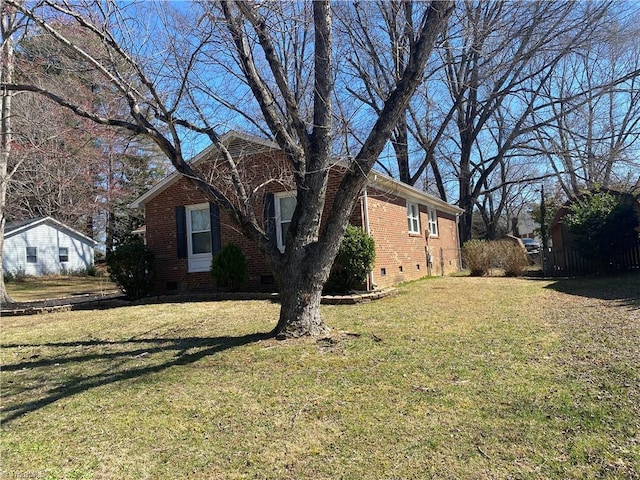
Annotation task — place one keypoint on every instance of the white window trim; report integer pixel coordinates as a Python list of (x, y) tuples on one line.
[(411, 217), (59, 254), (198, 262), (432, 213), (277, 198)]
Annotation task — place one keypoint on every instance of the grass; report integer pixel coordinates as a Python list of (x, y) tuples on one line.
[(454, 378), (56, 286)]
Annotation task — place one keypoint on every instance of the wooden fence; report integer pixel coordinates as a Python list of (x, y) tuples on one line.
[(566, 262)]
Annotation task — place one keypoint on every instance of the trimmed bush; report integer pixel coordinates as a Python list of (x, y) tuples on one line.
[(132, 268), (476, 255), (229, 267), (354, 260), (480, 256), (510, 257)]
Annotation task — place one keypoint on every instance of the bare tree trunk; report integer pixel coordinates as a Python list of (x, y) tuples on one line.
[(300, 295), (5, 146), (400, 142), (7, 22), (4, 296)]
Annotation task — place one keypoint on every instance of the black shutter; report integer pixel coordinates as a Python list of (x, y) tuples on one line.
[(181, 231), (216, 240), (270, 218)]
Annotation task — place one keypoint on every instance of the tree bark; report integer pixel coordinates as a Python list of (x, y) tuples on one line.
[(400, 143), (301, 284), (7, 23)]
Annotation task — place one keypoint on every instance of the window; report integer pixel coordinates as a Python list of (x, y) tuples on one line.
[(63, 254), (199, 237), (199, 231), (413, 217), (433, 223), (32, 254), (285, 205)]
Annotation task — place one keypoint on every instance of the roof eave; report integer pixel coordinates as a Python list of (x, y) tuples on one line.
[(389, 184), (375, 178), (226, 140), (56, 222)]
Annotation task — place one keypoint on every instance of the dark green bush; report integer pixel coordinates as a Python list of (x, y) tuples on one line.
[(132, 268), (354, 260), (229, 267), (604, 225)]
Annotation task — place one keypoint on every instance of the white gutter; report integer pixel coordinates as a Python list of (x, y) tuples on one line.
[(390, 185)]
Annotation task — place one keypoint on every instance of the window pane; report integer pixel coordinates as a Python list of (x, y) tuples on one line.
[(287, 206), (284, 228), (201, 242), (433, 222), (200, 220), (32, 254), (63, 253), (413, 217)]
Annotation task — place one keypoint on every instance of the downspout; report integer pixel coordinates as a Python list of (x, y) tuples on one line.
[(458, 241), (367, 229)]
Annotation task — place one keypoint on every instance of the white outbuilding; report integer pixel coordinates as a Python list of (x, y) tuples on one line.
[(44, 246)]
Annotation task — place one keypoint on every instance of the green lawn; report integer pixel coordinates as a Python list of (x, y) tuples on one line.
[(453, 378)]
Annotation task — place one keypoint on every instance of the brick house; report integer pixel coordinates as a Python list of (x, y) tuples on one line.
[(184, 230)]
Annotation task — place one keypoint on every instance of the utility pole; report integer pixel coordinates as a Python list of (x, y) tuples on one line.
[(543, 231)]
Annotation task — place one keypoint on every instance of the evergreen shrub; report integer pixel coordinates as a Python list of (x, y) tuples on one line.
[(132, 268), (354, 261), (229, 267)]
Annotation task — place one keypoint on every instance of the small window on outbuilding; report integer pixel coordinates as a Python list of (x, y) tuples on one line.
[(63, 254), (32, 254)]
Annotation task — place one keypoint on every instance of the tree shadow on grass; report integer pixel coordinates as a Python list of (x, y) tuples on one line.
[(623, 289), (109, 362)]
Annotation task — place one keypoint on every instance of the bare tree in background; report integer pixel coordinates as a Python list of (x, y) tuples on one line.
[(245, 44), (60, 165), (486, 92), (381, 37), (594, 138)]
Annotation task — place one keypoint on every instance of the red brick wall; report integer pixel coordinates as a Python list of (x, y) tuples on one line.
[(395, 247), (400, 255), (160, 214), (160, 219)]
